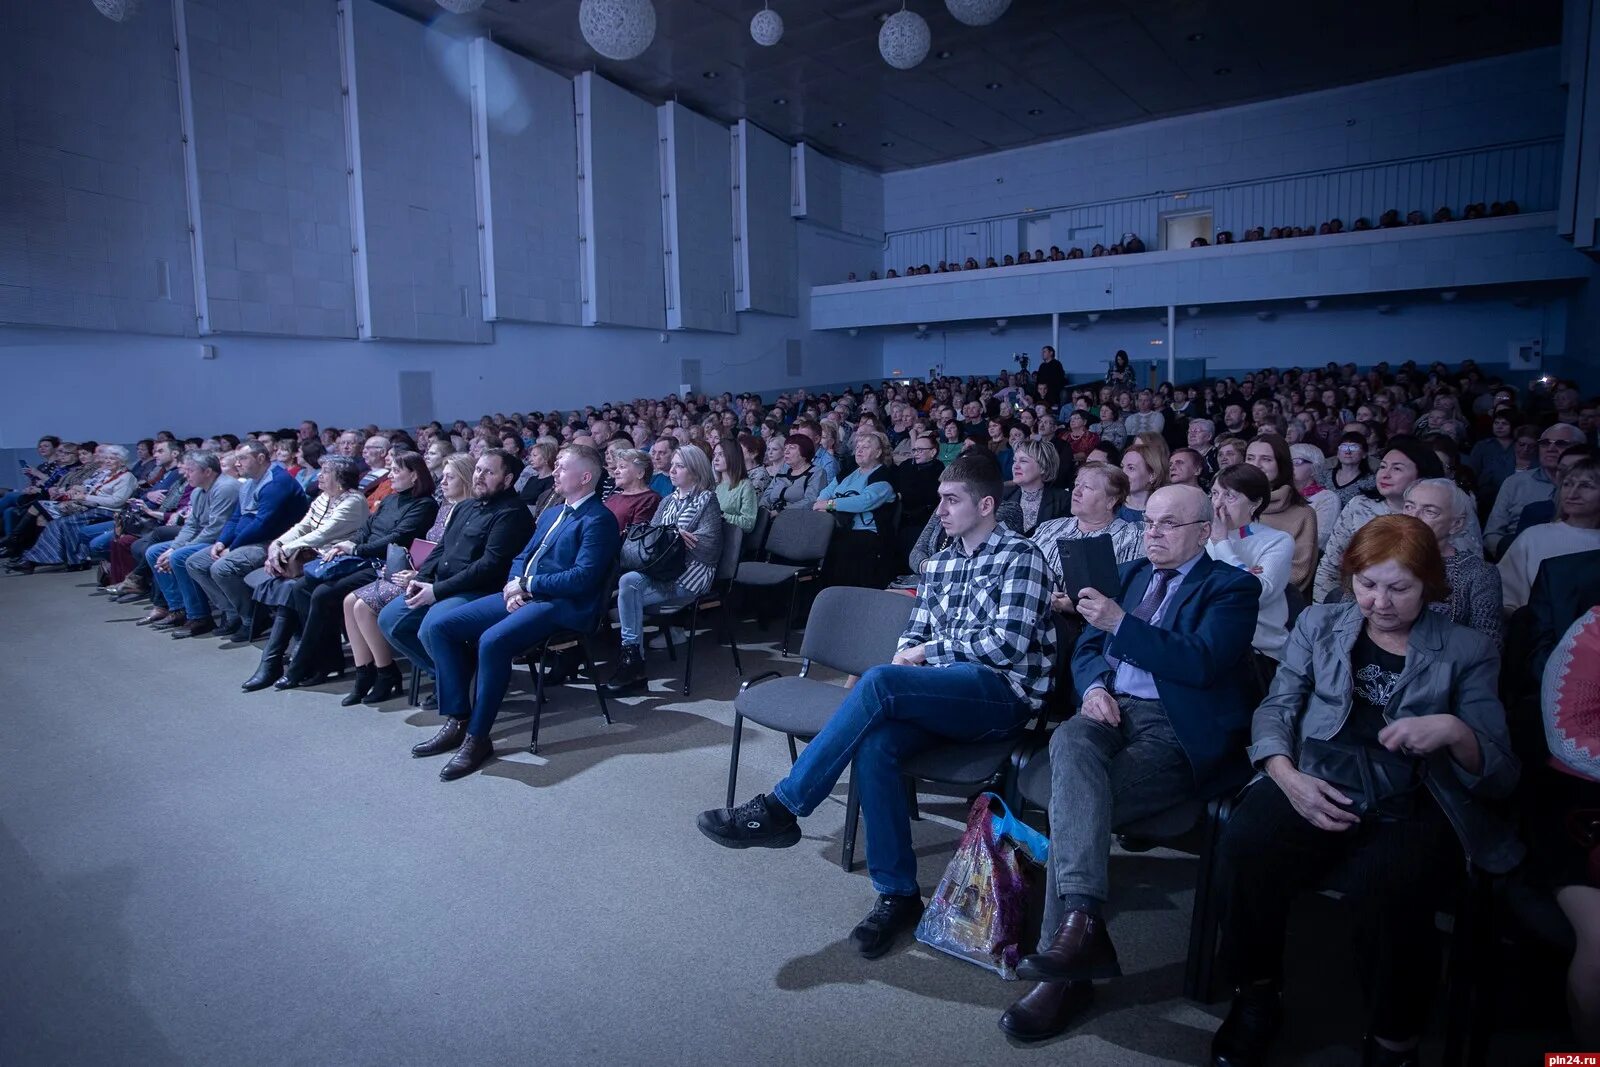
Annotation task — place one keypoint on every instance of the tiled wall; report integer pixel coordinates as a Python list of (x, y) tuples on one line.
[(837, 195), (697, 214), (269, 144), (93, 222), (766, 223), (533, 182), (417, 180), (622, 206)]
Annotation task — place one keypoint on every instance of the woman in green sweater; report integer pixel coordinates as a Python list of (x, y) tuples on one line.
[(734, 492)]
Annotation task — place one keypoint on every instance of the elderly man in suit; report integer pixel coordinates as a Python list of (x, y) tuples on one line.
[(560, 581), (1167, 692)]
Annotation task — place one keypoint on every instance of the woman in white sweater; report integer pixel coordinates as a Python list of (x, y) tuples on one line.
[(87, 513), (1577, 530), (337, 513), (1238, 497)]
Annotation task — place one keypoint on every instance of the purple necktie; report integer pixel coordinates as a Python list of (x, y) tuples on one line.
[(1153, 597)]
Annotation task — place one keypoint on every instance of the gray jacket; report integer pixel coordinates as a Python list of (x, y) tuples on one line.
[(1449, 670), (208, 512)]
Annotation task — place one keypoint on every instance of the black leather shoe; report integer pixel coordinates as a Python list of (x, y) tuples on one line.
[(430, 702), (365, 673), (891, 916), (1081, 951), (629, 673), (386, 685), (473, 753), (1048, 1009), (198, 628), (270, 671), (760, 822), (448, 739), (1253, 1020)]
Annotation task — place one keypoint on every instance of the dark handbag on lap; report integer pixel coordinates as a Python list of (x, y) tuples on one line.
[(654, 551), (1381, 785), (328, 570)]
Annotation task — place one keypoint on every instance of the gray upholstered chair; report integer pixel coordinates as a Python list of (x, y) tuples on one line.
[(664, 614), (796, 546)]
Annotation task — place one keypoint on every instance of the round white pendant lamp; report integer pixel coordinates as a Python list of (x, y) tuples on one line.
[(977, 12), (618, 29), (766, 29), (117, 10), (904, 39)]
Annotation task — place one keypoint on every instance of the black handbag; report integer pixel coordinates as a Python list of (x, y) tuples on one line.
[(654, 551), (1381, 785)]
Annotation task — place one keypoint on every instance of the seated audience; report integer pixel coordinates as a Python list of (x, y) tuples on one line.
[(557, 582), (736, 496), (1033, 470), (633, 501), (661, 461), (1348, 475), (1405, 461), (1096, 501), (756, 472), (1185, 467), (375, 484), (1475, 597), (1166, 697), (1288, 510), (211, 508), (1528, 487), (1436, 740), (974, 664), (473, 554), (1578, 530), (856, 555), (1240, 495), (798, 481), (1307, 461), (1145, 464), (82, 515)]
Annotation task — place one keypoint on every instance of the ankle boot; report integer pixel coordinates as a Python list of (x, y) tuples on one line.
[(271, 668), (630, 672), (386, 686), (366, 673)]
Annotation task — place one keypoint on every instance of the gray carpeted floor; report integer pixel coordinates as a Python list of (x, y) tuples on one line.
[(196, 875)]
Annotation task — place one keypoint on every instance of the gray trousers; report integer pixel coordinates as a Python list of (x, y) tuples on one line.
[(1103, 777), (223, 579)]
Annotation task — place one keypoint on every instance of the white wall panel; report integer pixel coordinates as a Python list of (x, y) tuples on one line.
[(620, 206), (766, 227), (697, 221)]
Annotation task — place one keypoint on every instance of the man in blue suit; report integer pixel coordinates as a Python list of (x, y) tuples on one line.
[(1167, 691), (558, 582)]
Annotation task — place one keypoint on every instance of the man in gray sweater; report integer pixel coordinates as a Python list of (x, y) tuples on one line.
[(215, 496)]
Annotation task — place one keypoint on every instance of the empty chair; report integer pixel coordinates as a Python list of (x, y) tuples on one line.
[(796, 547)]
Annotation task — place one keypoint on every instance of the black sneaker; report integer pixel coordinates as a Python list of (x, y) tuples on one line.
[(876, 934), (760, 822)]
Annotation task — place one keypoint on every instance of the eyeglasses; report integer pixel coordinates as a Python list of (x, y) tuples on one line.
[(1552, 442), (1166, 526)]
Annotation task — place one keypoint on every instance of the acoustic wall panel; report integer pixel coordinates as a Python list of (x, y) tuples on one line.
[(836, 195), (768, 271), (413, 125), (529, 173), (697, 221), (619, 206), (269, 146)]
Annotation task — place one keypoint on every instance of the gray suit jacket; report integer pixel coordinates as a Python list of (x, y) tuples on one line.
[(208, 512)]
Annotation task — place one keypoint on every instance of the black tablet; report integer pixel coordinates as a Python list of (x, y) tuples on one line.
[(1089, 563)]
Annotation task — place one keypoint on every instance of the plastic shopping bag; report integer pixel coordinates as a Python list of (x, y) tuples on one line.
[(979, 911)]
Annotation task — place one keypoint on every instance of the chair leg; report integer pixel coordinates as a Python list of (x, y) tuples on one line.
[(666, 635), (537, 667), (794, 753), (788, 620), (1462, 968), (594, 676), (688, 646), (911, 798), (733, 640), (852, 822), (733, 755), (414, 694), (1199, 974)]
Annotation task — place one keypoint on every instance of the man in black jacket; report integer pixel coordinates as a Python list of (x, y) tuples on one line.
[(482, 537), (1051, 374)]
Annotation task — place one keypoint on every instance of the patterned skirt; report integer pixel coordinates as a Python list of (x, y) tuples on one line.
[(377, 595), (62, 540)]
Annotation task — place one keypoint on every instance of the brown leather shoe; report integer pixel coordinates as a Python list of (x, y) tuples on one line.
[(1081, 951), (173, 621), (1046, 1010), (197, 628), (156, 615)]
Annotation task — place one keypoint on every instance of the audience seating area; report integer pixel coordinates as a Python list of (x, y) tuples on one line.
[(338, 552)]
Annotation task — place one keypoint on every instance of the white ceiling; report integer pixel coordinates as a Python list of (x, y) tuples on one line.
[(1058, 67)]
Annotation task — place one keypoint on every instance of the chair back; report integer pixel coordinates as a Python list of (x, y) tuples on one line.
[(756, 540), (853, 629), (800, 535), (1295, 601), (732, 552)]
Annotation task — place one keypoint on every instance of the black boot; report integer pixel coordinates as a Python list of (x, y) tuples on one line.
[(271, 668), (366, 674), (387, 685), (1246, 1034), (630, 672)]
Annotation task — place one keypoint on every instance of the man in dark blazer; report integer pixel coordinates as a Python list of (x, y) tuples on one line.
[(1167, 692), (558, 582), (480, 539)]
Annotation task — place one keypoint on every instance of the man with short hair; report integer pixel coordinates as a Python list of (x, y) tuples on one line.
[(480, 539), (1051, 374), (212, 503), (269, 503), (1184, 467), (1527, 487), (349, 445), (660, 463), (973, 665), (560, 581), (1167, 694), (1145, 419), (1203, 439)]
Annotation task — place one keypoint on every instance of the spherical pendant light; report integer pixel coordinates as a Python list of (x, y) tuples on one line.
[(904, 39), (117, 10), (460, 7), (977, 12), (618, 29), (767, 27)]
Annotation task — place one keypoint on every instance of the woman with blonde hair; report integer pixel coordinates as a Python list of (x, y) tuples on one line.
[(1145, 464)]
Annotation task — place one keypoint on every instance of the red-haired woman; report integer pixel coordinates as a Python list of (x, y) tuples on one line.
[(1382, 737)]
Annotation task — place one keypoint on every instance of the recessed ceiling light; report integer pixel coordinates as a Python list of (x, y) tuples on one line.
[(839, 125), (946, 54), (1036, 111), (992, 85), (780, 100), (885, 144), (1197, 37), (709, 74), (1223, 72)]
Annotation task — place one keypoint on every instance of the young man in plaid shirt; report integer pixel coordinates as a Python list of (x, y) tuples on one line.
[(974, 664)]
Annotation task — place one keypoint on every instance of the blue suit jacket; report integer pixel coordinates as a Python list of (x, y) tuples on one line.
[(1199, 657), (279, 505), (576, 568)]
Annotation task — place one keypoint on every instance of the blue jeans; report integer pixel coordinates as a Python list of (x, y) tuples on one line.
[(895, 712), (8, 503), (180, 590), (483, 633), (635, 592), (100, 535), (408, 630)]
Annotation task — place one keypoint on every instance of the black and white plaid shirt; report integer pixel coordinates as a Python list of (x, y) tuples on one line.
[(991, 608)]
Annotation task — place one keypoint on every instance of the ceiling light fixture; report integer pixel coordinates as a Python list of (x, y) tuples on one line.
[(460, 7), (993, 85), (885, 144), (1196, 37), (766, 29), (903, 40), (976, 12), (944, 54), (839, 124), (710, 75), (618, 29), (780, 100), (117, 10), (1223, 72), (1036, 111)]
